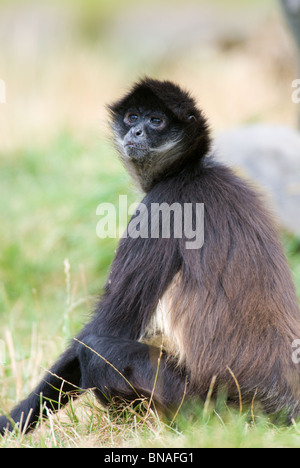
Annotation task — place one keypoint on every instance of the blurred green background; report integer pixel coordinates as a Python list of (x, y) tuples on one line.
[(62, 62)]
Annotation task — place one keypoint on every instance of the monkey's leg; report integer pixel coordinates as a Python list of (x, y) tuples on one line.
[(51, 393), (118, 367)]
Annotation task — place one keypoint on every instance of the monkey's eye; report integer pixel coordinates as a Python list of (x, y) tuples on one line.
[(131, 118), (157, 121)]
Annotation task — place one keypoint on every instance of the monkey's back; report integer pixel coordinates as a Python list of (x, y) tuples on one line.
[(232, 308)]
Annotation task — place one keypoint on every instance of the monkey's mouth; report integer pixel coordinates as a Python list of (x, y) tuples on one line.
[(136, 150), (136, 145)]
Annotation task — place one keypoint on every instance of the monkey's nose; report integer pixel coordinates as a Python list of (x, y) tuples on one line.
[(139, 132)]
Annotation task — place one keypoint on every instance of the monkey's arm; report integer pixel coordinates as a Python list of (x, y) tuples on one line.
[(52, 392), (142, 270), (118, 367)]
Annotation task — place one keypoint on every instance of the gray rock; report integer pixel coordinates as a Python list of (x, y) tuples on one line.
[(270, 156), (291, 9)]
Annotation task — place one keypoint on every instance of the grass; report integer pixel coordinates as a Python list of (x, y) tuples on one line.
[(52, 266)]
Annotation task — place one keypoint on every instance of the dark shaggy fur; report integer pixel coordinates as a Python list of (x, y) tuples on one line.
[(232, 307)]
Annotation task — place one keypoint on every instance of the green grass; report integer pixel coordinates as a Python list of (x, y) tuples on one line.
[(48, 207)]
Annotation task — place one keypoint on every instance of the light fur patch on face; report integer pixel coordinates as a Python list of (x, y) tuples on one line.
[(143, 172)]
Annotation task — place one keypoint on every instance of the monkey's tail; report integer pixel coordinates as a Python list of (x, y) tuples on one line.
[(52, 393)]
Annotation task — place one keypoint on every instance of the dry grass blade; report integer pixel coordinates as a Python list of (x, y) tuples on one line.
[(181, 403), (252, 406), (155, 380), (238, 388), (209, 394)]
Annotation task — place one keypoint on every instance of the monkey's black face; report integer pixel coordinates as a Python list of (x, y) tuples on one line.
[(157, 129), (149, 140), (144, 132)]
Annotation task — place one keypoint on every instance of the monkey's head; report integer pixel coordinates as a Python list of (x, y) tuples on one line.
[(158, 130)]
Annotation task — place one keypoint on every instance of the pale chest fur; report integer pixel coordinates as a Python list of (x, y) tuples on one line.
[(162, 330)]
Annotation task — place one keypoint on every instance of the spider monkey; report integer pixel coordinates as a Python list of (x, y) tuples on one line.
[(226, 309)]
